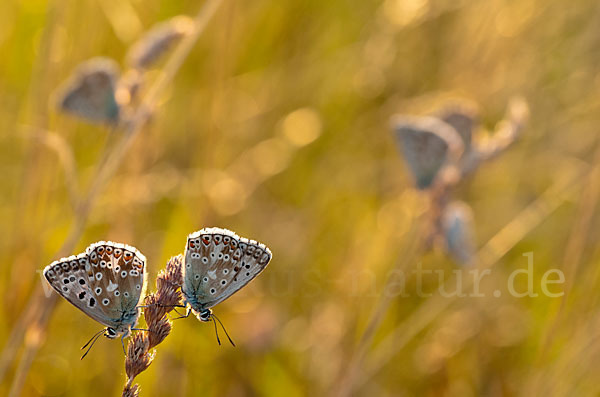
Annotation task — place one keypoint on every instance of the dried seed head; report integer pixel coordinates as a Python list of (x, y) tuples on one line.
[(172, 272), (131, 391), (157, 41), (157, 305), (159, 331), (138, 358), (169, 296), (154, 309)]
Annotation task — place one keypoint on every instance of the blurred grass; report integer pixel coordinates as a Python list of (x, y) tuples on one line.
[(232, 146)]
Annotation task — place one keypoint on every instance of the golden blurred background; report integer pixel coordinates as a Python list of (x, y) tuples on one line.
[(277, 126)]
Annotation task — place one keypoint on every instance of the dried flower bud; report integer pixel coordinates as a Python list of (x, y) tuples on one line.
[(157, 41)]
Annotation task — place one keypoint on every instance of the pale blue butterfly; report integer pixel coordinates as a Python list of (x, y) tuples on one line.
[(218, 263), (91, 92), (106, 282), (428, 145)]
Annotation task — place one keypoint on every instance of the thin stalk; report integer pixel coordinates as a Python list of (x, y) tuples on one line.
[(574, 251), (488, 255), (40, 308)]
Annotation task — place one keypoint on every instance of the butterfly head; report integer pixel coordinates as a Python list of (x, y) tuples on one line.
[(114, 332), (204, 315)]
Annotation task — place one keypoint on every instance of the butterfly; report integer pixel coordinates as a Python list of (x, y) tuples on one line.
[(157, 41), (464, 122), (106, 282), (90, 92), (217, 264), (427, 144), (459, 232)]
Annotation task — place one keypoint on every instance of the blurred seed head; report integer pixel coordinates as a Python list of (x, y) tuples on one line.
[(90, 92), (128, 87), (459, 232), (144, 53), (428, 145)]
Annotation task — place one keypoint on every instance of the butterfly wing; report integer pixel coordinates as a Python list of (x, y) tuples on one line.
[(106, 282), (463, 117), (90, 94), (459, 232), (427, 144), (218, 263)]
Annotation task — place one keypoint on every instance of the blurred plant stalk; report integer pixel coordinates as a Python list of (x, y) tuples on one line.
[(31, 327), (440, 154)]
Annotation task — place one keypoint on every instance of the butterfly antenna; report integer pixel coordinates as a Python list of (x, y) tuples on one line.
[(96, 334), (217, 333), (91, 342), (224, 330)]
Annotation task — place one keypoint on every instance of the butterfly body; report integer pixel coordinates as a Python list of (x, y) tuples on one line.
[(218, 263), (106, 282)]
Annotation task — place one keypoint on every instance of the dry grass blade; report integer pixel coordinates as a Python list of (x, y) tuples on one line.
[(350, 371), (574, 250), (63, 151)]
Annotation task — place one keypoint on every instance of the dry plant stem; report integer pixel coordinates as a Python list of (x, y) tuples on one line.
[(506, 134), (488, 255), (157, 305), (575, 246), (63, 151), (414, 248), (39, 308)]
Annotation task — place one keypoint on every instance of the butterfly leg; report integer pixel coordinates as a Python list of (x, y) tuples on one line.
[(187, 314), (123, 343), (179, 314)]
